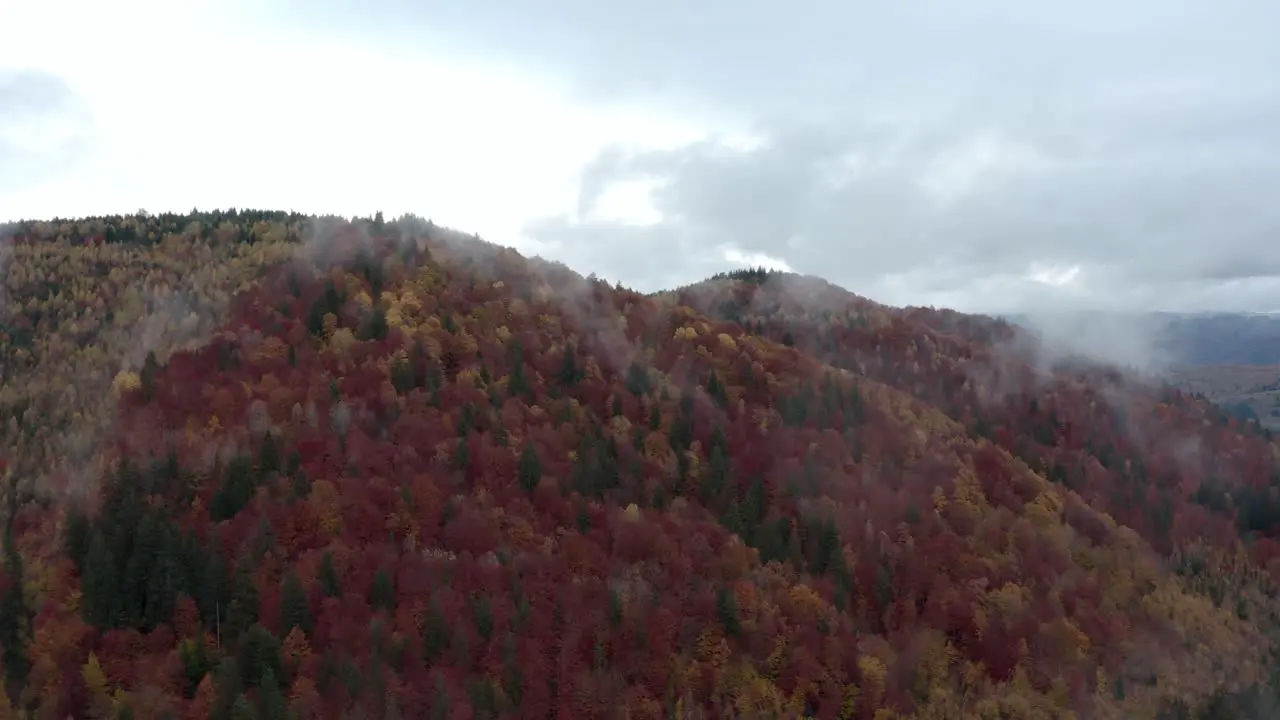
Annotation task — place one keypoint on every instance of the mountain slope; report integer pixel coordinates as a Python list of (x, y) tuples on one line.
[(1196, 484), (1129, 445), (417, 475)]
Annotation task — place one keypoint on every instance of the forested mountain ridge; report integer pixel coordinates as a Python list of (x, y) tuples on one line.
[(1160, 450), (406, 473)]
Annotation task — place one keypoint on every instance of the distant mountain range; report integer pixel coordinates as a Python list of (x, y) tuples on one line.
[(1178, 339)]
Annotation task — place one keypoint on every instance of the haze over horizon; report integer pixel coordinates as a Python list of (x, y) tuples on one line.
[(996, 158)]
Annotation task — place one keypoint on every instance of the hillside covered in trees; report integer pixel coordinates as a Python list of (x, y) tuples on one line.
[(261, 465)]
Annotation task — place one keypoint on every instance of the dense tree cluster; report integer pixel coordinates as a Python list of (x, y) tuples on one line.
[(400, 472), (1165, 463), (1147, 454)]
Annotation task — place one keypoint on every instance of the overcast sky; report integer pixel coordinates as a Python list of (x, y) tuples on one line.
[(992, 155)]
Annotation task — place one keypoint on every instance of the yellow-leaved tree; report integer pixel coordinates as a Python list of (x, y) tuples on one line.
[(6, 707), (95, 682)]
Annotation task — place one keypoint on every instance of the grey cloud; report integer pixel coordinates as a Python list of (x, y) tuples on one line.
[(1138, 141), (44, 127), (786, 58), (1156, 233)]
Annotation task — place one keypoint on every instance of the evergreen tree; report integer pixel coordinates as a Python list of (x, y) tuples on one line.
[(101, 601), (727, 612), (482, 613), (295, 608), (228, 693), (376, 328), (402, 376), (638, 380), (435, 633), (530, 468), (15, 627), (382, 595), (242, 709), (259, 660), (269, 456), (570, 374), (270, 698), (245, 604), (329, 577)]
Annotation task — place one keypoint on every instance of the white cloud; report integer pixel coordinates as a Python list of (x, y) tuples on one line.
[(735, 256), (629, 202), (209, 113), (1054, 275)]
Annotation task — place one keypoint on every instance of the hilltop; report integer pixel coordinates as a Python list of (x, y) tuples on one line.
[(266, 465)]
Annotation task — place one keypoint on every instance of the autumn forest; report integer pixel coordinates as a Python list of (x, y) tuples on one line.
[(267, 465)]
